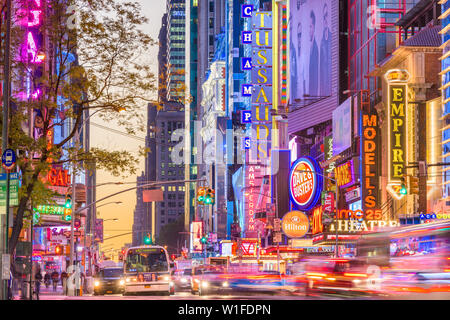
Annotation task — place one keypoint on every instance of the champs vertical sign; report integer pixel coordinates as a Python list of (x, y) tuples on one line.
[(397, 104)]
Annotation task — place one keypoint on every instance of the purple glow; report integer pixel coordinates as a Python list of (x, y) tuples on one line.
[(36, 19)]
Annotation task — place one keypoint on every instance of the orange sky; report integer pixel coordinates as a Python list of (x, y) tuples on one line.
[(154, 11)]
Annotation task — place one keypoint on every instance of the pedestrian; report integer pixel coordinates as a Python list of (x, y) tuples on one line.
[(47, 279), (55, 279), (37, 282), (64, 277)]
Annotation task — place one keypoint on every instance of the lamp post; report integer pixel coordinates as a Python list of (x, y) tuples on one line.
[(336, 251)]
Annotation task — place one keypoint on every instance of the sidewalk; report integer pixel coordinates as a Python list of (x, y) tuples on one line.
[(49, 294)]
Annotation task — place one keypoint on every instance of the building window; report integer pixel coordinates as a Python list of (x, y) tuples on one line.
[(163, 173), (163, 212)]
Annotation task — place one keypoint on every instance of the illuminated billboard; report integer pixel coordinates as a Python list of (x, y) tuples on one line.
[(397, 122), (305, 183), (310, 55)]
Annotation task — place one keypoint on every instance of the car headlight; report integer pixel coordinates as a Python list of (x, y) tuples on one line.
[(196, 280), (96, 283), (166, 278), (183, 280), (205, 284), (225, 284), (121, 282)]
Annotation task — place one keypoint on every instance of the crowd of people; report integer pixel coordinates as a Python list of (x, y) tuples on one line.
[(48, 278)]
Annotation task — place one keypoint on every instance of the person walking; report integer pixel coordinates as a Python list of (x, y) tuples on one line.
[(64, 277), (55, 279), (37, 282), (47, 279)]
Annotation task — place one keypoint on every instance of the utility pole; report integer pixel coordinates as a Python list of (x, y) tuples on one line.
[(6, 106)]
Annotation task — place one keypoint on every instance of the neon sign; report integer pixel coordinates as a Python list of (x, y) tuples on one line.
[(345, 176), (366, 225), (369, 161), (305, 183), (295, 224), (58, 177), (397, 105)]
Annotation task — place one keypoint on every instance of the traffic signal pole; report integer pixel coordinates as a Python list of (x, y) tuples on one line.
[(6, 102)]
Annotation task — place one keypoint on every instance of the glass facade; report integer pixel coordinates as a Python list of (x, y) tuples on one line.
[(446, 104)]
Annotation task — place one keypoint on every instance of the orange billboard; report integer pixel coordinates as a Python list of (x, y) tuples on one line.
[(295, 224)]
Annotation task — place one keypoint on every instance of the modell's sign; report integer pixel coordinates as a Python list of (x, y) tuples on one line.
[(295, 224), (305, 183)]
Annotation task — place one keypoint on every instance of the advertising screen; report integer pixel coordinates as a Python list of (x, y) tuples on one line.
[(310, 48)]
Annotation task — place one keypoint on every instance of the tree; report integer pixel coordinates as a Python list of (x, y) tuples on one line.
[(93, 62)]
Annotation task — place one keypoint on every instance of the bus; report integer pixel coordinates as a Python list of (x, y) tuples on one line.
[(147, 269), (420, 248)]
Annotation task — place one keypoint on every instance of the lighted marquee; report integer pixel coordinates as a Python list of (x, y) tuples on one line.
[(305, 183), (397, 120)]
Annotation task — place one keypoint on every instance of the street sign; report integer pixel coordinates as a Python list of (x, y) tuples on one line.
[(9, 159), (13, 191), (6, 266), (277, 237), (276, 224)]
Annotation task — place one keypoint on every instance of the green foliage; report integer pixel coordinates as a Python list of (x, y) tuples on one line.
[(109, 76)]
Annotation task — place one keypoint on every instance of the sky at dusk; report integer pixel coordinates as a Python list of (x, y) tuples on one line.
[(153, 10)]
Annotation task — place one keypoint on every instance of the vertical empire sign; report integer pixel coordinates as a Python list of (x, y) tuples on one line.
[(397, 120)]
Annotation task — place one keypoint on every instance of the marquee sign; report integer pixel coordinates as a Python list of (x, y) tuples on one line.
[(295, 224), (370, 158), (305, 183), (397, 126)]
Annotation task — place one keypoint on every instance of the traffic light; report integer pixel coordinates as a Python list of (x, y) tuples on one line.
[(210, 196), (68, 202), (200, 195), (67, 215), (204, 240), (413, 185), (403, 189), (148, 239), (67, 208)]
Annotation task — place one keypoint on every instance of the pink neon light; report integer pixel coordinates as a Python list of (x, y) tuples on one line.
[(36, 21), (38, 3)]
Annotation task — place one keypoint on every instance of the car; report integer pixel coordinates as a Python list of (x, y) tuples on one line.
[(209, 279), (182, 279), (336, 275), (109, 281)]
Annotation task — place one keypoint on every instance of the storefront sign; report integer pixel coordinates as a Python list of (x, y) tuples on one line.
[(316, 224), (365, 225), (329, 202), (360, 214), (352, 194), (196, 235), (305, 183), (345, 175), (295, 224), (370, 156), (52, 210), (397, 128), (58, 177), (261, 75)]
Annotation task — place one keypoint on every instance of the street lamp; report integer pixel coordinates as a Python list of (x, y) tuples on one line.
[(336, 252)]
